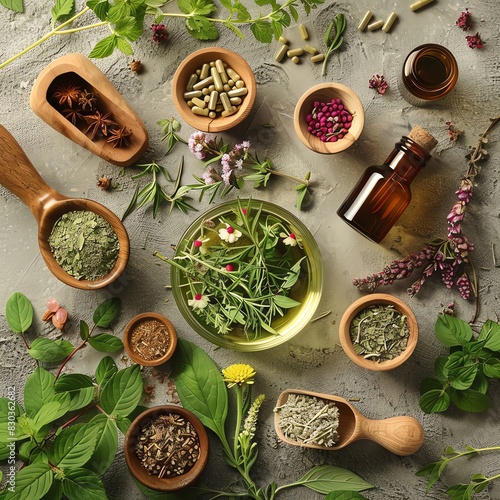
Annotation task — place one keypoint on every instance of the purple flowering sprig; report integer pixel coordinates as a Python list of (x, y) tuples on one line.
[(449, 256), (229, 167)]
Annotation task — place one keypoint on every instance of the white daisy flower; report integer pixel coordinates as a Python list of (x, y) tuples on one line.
[(229, 234)]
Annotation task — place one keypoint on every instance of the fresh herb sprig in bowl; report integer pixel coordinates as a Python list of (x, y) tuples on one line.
[(247, 275)]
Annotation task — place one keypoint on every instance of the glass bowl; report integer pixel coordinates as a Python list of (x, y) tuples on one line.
[(307, 290)]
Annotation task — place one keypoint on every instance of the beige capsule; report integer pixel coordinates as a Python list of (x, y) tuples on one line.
[(212, 104), (295, 52), (198, 102), (317, 58), (212, 114), (219, 65), (303, 32), (418, 5), (232, 74), (199, 111), (205, 70), (310, 49), (235, 100), (296, 59), (229, 112), (224, 99), (238, 92), (219, 86), (192, 80), (281, 53), (283, 40), (203, 83), (193, 93), (227, 88), (366, 19), (389, 22), (375, 25), (239, 84)]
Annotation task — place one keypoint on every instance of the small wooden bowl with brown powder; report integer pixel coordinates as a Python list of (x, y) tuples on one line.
[(150, 339)]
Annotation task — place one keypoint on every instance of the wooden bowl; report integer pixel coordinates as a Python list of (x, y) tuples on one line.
[(134, 464), (75, 67), (127, 337), (367, 301), (324, 92), (194, 62)]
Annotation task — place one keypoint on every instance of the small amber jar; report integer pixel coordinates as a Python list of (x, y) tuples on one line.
[(429, 72)]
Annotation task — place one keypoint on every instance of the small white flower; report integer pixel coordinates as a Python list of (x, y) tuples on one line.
[(289, 239), (199, 301), (229, 234)]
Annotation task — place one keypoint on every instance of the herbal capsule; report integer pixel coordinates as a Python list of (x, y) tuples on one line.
[(303, 32), (198, 102), (230, 82), (226, 88), (235, 100), (389, 22), (206, 99), (203, 83), (212, 64), (205, 70), (190, 104), (219, 86), (224, 99), (212, 104), (199, 111), (238, 92), (205, 91), (317, 58), (219, 66), (283, 40), (310, 49), (192, 80), (211, 88), (212, 114), (229, 112), (232, 74), (295, 52), (194, 93), (239, 84), (375, 26), (219, 108), (295, 59), (198, 72), (418, 5), (364, 22), (281, 53), (224, 77)]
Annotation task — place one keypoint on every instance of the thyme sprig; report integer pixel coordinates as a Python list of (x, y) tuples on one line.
[(334, 40)]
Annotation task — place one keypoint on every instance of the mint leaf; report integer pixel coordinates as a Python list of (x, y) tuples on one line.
[(434, 401), (15, 5), (38, 390), (100, 8), (196, 7), (201, 28), (79, 388), (33, 482), (50, 351), (262, 31), (491, 368), (51, 411), (82, 484), (105, 47), (19, 312), (327, 478), (243, 14), (124, 46), (452, 331), (105, 370), (122, 393), (104, 342), (106, 444), (471, 400), (61, 8), (107, 311), (491, 333), (74, 446), (462, 378)]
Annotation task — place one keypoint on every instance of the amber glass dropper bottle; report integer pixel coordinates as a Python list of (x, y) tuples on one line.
[(383, 192)]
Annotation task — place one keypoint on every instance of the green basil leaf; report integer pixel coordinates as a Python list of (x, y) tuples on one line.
[(433, 470), (80, 389), (439, 368), (100, 8), (83, 484), (201, 28), (62, 8), (327, 478), (285, 302), (38, 390), (105, 47), (7, 408), (15, 5), (480, 383), (262, 31), (32, 482), (434, 401), (471, 401), (104, 342), (456, 360), (84, 330), (105, 370), (122, 393), (491, 333), (106, 444), (19, 312), (429, 384), (200, 386), (50, 351), (107, 312), (462, 378), (74, 446), (491, 368), (452, 331), (345, 495)]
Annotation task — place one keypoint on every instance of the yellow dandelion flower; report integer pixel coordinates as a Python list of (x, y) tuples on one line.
[(238, 374)]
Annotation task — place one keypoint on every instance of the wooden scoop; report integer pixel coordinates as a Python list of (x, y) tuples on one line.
[(19, 176), (400, 435)]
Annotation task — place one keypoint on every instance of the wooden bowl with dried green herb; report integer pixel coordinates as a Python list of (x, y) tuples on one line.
[(166, 448), (378, 332), (150, 339)]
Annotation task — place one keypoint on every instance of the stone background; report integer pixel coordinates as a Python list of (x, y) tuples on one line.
[(313, 359)]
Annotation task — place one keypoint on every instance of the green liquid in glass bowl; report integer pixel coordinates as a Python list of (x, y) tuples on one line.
[(307, 290)]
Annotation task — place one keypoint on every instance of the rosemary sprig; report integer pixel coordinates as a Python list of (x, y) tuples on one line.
[(335, 40)]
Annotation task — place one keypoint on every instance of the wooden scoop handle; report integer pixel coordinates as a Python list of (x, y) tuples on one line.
[(19, 176), (400, 435)]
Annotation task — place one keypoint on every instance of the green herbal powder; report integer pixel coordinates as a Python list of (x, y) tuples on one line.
[(84, 245)]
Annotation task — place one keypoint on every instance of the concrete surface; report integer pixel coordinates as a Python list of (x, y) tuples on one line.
[(313, 359)]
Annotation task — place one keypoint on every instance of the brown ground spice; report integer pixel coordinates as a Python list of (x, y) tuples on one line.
[(150, 339)]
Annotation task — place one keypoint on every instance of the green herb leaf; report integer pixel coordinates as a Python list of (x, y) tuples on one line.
[(452, 331), (345, 495), (106, 312), (105, 370), (79, 388), (327, 478), (132, 204), (83, 484), (433, 470), (200, 386), (460, 491), (480, 383), (8, 409), (262, 31), (105, 47), (429, 384), (491, 368), (125, 47), (123, 391), (104, 342), (32, 482), (84, 330), (491, 333), (51, 411), (243, 14), (285, 302), (61, 8), (100, 8), (196, 7), (462, 378), (434, 401), (74, 446), (19, 312), (471, 400), (201, 28), (50, 351), (15, 5), (38, 390), (55, 491), (106, 444), (439, 368)]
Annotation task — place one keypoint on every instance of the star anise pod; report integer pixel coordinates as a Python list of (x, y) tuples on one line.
[(67, 93), (87, 100), (98, 123), (73, 115), (118, 137)]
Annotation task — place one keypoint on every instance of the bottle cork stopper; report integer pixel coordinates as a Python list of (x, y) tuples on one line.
[(422, 138)]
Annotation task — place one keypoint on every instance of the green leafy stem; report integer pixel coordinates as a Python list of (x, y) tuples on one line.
[(125, 20)]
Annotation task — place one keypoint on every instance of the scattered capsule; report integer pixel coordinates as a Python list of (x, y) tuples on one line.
[(198, 102), (295, 59), (192, 80), (193, 93), (418, 5), (283, 40), (199, 111), (303, 32), (366, 19), (205, 70), (203, 83), (389, 22), (281, 53), (238, 92), (311, 50), (317, 58), (375, 26), (212, 103), (295, 52)]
